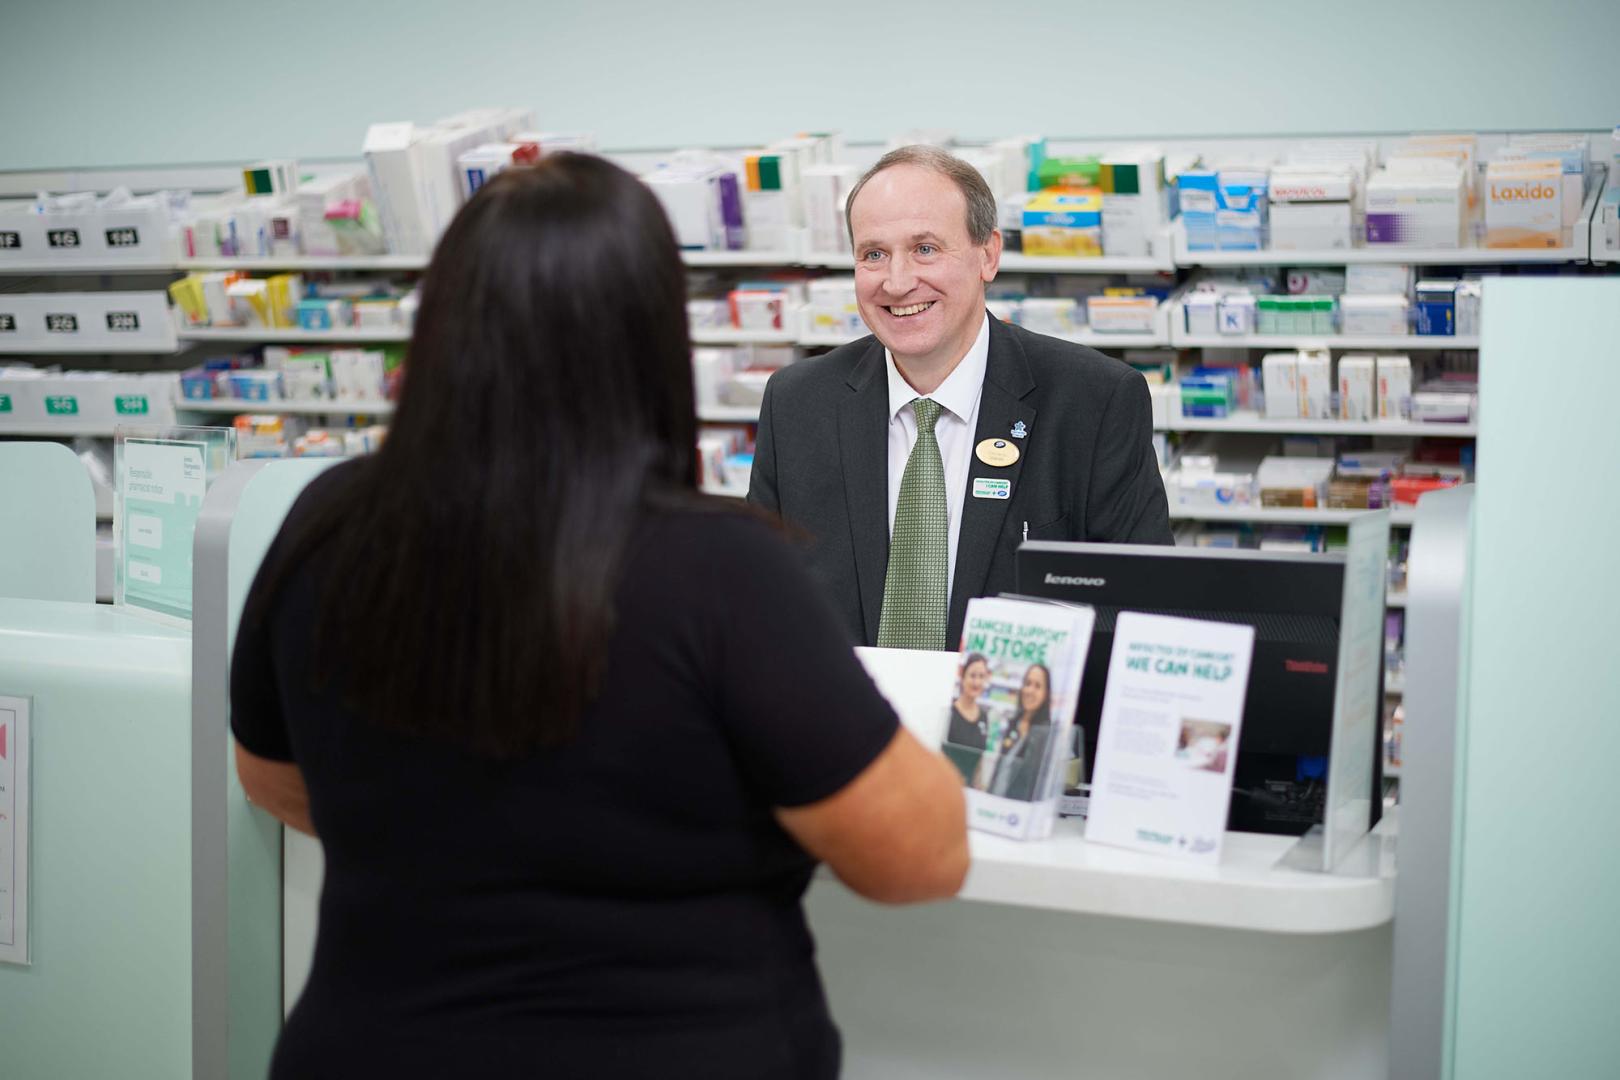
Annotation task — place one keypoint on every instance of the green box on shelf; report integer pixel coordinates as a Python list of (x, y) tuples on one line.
[(5, 403), (132, 405), (61, 405), (1070, 172)]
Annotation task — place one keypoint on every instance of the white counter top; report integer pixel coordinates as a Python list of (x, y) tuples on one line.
[(1247, 891)]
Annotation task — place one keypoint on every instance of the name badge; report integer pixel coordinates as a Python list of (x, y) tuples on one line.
[(985, 487), (997, 453)]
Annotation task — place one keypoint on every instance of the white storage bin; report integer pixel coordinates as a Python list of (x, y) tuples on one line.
[(19, 323)]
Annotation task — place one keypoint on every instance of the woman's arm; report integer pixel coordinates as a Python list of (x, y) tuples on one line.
[(896, 833), (277, 786)]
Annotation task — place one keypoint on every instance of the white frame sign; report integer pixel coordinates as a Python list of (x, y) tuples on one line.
[(1172, 716), (14, 804)]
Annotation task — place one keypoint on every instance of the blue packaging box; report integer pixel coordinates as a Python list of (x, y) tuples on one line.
[(1436, 308)]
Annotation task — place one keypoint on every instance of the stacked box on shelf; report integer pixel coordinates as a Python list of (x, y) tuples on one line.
[(1311, 207), (1064, 223), (1134, 200), (1123, 311), (702, 199), (725, 457), (1058, 316), (826, 189), (1424, 194), (832, 309), (1224, 208), (1200, 482)]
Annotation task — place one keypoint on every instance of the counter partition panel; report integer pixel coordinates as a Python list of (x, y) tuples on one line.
[(47, 524), (236, 849)]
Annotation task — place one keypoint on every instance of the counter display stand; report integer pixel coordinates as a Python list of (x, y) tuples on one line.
[(1067, 958)]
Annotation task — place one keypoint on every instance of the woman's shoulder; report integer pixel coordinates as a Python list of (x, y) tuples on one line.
[(714, 529), (335, 484)]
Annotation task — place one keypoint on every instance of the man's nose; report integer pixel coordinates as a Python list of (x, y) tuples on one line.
[(899, 279)]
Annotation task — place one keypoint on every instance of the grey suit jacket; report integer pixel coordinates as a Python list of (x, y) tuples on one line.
[(1085, 470)]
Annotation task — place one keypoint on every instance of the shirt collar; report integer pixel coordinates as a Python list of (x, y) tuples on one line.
[(959, 393)]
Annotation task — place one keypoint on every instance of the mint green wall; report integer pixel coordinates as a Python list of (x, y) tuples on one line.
[(1536, 945), (91, 82), (109, 990)]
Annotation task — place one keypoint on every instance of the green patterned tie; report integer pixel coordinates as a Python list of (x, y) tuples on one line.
[(916, 590)]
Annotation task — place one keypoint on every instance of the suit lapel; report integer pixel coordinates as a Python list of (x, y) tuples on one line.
[(1007, 382), (863, 441)]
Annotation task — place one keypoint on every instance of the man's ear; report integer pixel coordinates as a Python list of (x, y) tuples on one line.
[(992, 256)]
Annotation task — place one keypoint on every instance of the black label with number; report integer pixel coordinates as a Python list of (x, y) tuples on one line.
[(8, 324), (62, 324), (123, 237), (10, 240), (123, 320), (62, 238)]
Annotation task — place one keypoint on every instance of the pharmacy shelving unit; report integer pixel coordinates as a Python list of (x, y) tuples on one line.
[(291, 335), (78, 429), (728, 414), (101, 349), (289, 263), (1281, 515), (236, 406), (1248, 423), (1604, 231), (1014, 262), (1239, 424), (1579, 248), (725, 335), (1337, 342)]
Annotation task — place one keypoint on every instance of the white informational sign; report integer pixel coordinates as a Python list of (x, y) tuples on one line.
[(1168, 740), (164, 482), (1357, 709), (13, 830)]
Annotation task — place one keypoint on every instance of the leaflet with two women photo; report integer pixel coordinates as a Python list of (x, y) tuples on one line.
[(1017, 687)]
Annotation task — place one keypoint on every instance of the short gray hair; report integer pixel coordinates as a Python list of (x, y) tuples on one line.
[(981, 204)]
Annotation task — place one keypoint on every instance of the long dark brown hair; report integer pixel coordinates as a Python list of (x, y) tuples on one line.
[(468, 576)]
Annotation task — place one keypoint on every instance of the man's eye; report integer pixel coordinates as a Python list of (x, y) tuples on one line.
[(926, 249), (872, 256)]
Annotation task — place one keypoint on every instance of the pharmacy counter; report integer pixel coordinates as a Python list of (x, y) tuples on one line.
[(109, 984), (1062, 958), (1249, 890)]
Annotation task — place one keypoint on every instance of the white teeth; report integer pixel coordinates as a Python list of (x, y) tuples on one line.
[(912, 310)]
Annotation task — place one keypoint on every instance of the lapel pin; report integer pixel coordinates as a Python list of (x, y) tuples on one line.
[(997, 453), (1018, 431)]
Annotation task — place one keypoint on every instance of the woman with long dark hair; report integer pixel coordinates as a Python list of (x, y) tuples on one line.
[(1024, 744), (572, 735)]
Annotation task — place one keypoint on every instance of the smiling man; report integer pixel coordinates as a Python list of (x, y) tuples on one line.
[(917, 459)]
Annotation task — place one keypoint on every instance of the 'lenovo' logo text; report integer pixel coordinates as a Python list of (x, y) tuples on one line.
[(1305, 667), (1063, 579)]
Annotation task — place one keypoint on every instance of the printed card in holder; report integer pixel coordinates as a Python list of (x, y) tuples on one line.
[(1167, 745), (1017, 686)]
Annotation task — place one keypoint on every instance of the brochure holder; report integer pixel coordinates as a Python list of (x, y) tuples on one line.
[(161, 475)]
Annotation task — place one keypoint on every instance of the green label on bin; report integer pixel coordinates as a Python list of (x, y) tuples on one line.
[(62, 405), (5, 403), (131, 404)]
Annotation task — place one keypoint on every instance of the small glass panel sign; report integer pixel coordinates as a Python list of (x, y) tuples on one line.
[(162, 476)]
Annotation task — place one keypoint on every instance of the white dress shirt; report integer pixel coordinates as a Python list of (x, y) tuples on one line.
[(958, 397)]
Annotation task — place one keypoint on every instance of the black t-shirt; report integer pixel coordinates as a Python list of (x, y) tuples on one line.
[(623, 906)]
